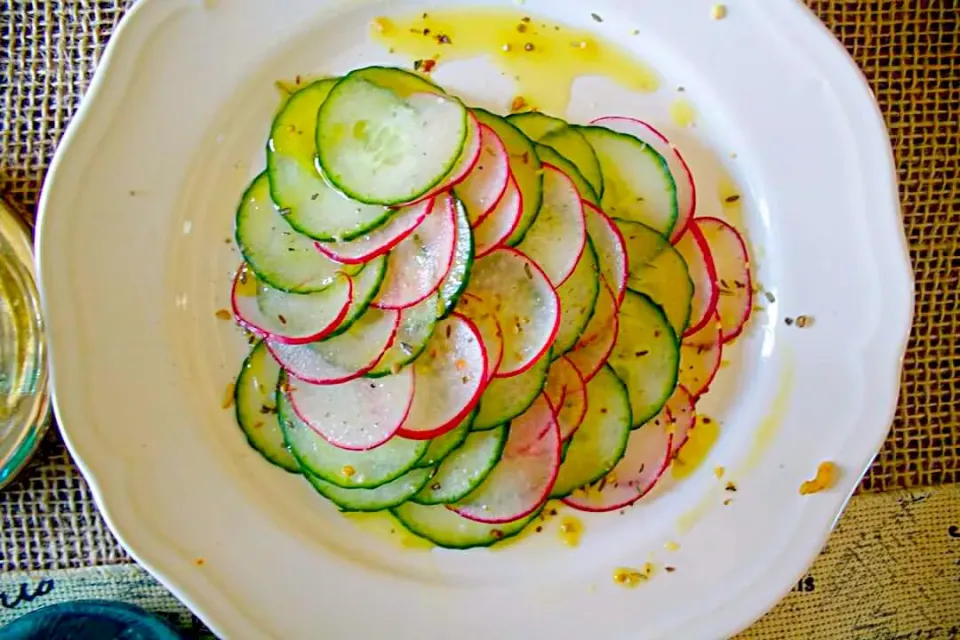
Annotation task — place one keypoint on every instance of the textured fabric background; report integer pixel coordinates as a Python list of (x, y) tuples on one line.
[(909, 49)]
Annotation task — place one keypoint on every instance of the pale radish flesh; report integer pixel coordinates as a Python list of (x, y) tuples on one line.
[(491, 334), (681, 413), (358, 415), (732, 263), (694, 250), (417, 266), (483, 187), (611, 253), (382, 239), (451, 374), (493, 232), (601, 333), (700, 357), (522, 480), (414, 329), (567, 392)]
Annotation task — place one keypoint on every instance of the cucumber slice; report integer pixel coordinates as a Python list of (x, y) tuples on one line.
[(403, 83), (637, 183), (281, 257), (556, 239), (456, 280), (366, 285), (578, 301), (465, 468), (441, 447), (416, 327), (483, 187), (347, 469), (382, 239), (600, 442), (659, 271), (255, 400), (366, 500), (571, 144), (313, 207), (611, 253), (445, 528), (507, 398), (378, 147), (646, 356), (549, 156), (535, 125), (525, 167)]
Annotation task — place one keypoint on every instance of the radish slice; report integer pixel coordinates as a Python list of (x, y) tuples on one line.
[(558, 236), (647, 457), (599, 337), (483, 187), (700, 356), (686, 187), (496, 227), (450, 379), (380, 240), (491, 334), (417, 266), (358, 415), (469, 158), (695, 251), (526, 305), (526, 473), (345, 357), (681, 413), (732, 262), (567, 392), (610, 247), (291, 318)]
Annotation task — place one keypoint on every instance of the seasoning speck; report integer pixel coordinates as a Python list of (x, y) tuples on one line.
[(596, 18), (223, 314), (528, 47), (827, 474), (669, 569), (519, 103), (804, 321), (731, 199), (730, 487), (788, 321), (719, 471), (770, 297), (199, 562), (228, 396), (347, 471)]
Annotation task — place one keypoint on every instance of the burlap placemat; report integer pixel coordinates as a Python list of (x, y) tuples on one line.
[(909, 49)]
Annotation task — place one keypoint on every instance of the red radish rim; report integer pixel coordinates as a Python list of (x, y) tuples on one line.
[(691, 403), (622, 285), (325, 382), (452, 213), (327, 248), (583, 224), (686, 217), (582, 389), (555, 472), (492, 366), (704, 248), (705, 387), (291, 340), (465, 411), (748, 308), (486, 131), (462, 169), (480, 252), (392, 433), (553, 331), (615, 329)]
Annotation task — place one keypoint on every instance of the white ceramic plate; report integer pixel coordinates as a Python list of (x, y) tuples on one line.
[(133, 265)]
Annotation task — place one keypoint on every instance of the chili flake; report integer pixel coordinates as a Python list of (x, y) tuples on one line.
[(826, 477), (223, 314)]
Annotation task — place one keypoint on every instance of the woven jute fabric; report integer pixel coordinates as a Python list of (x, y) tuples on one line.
[(909, 50)]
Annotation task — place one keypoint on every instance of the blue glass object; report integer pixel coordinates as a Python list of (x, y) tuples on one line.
[(89, 620)]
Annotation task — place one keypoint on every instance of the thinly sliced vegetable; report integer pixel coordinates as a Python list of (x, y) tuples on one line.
[(706, 292), (441, 447), (347, 469), (558, 236), (255, 396), (292, 318), (383, 497), (646, 356), (311, 205), (493, 232), (525, 168), (683, 177), (637, 183), (417, 266), (594, 347), (526, 305), (402, 82), (732, 263), (681, 414), (450, 378), (536, 124), (646, 459), (483, 187), (658, 270), (349, 355), (491, 334), (507, 398), (469, 157), (578, 300), (465, 468), (358, 415), (549, 156), (609, 245), (457, 278), (445, 528), (380, 240), (366, 285), (700, 357), (600, 442), (378, 147), (281, 257), (526, 473), (415, 328), (567, 392), (565, 140)]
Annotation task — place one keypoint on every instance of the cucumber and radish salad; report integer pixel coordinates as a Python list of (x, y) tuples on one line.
[(457, 316)]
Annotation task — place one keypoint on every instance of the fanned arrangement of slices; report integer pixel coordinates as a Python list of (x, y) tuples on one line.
[(460, 316)]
